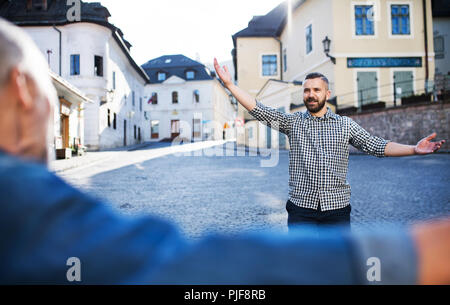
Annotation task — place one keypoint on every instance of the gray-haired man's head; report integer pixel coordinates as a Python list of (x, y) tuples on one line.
[(26, 95)]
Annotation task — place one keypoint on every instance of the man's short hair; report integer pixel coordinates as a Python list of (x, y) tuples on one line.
[(315, 75), (18, 50)]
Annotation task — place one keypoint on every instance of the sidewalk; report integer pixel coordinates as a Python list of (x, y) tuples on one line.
[(93, 157), (123, 156)]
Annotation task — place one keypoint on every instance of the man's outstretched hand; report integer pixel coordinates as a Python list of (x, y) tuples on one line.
[(425, 146), (223, 74)]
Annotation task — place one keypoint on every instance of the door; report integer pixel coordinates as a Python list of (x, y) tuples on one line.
[(403, 81), (367, 88), (196, 128), (65, 130), (154, 129), (175, 128)]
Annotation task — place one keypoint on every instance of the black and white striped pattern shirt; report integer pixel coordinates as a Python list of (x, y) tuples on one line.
[(318, 157)]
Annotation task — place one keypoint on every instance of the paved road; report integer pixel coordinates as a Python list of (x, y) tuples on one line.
[(232, 194)]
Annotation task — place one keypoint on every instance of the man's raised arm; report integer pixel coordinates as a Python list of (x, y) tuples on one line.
[(245, 99), (267, 115)]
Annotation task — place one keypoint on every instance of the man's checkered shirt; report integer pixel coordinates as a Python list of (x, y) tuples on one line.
[(318, 157)]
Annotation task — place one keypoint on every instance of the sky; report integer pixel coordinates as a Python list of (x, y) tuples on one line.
[(199, 29)]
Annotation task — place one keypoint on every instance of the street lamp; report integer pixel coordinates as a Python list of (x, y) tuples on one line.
[(326, 48)]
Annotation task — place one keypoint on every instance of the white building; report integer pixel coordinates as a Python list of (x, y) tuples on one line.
[(185, 100), (94, 57), (68, 118)]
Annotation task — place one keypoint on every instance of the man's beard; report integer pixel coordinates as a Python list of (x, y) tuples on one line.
[(316, 107)]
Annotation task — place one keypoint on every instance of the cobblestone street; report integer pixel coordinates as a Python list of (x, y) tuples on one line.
[(231, 194)]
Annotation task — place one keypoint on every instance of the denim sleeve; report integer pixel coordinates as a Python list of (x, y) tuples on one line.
[(50, 222), (386, 256), (365, 142), (273, 118)]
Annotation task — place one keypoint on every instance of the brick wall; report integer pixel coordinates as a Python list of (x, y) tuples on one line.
[(408, 124)]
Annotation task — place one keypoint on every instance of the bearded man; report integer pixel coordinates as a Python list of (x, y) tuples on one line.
[(319, 148)]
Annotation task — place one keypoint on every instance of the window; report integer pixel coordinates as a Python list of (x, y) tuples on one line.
[(140, 104), (308, 37), (284, 60), (196, 96), (400, 20), (439, 47), (75, 64), (133, 99), (403, 83), (38, 4), (364, 20), (114, 80), (154, 99), (135, 132), (98, 65), (161, 76), (175, 97), (154, 129), (109, 118), (115, 121), (190, 74), (367, 87), (269, 65)]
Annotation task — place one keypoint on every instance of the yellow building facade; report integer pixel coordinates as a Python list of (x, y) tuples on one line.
[(378, 51)]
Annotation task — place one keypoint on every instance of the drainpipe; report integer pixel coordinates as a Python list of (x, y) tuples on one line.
[(281, 57), (424, 4), (60, 48)]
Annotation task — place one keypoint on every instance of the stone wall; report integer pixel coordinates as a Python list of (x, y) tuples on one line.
[(408, 124)]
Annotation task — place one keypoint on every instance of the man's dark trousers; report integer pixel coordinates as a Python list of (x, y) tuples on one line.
[(298, 216)]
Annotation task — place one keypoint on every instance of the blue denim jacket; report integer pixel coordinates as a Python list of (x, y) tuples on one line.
[(44, 222)]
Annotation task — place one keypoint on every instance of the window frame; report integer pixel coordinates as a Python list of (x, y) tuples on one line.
[(175, 98), (376, 14), (309, 25), (154, 94), (96, 70), (261, 57), (161, 73), (186, 74), (72, 64), (365, 18), (411, 20), (196, 94), (439, 54)]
